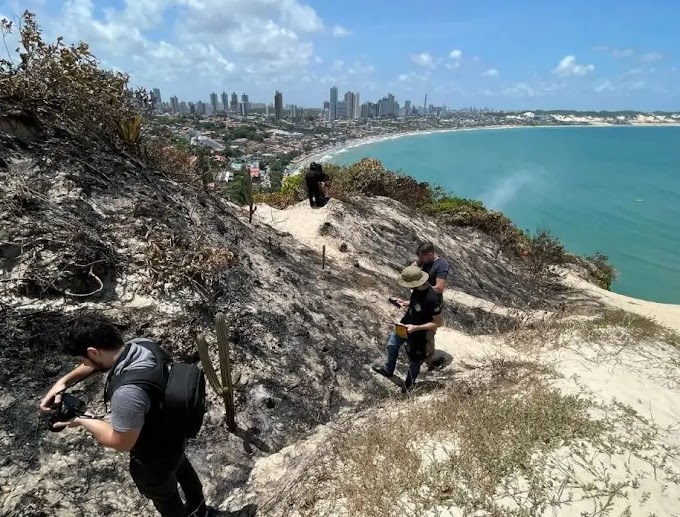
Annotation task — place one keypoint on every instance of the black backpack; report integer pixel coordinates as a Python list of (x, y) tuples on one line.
[(176, 389)]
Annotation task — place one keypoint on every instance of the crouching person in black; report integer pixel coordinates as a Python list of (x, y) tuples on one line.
[(316, 179), (134, 387), (423, 316)]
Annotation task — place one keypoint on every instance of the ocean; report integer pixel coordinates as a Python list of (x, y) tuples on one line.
[(609, 189)]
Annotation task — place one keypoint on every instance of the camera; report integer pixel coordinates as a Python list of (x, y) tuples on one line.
[(69, 407)]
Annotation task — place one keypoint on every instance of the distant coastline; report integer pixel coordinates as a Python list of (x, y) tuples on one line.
[(326, 154)]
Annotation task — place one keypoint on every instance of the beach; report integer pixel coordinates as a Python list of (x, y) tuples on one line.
[(325, 154)]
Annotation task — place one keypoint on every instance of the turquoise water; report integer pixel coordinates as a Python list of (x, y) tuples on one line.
[(612, 189)]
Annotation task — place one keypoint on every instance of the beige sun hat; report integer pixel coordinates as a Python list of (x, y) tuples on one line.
[(413, 277)]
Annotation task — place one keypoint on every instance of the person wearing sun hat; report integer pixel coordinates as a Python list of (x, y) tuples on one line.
[(423, 314)]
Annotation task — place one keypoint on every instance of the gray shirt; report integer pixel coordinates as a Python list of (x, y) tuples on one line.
[(130, 403)]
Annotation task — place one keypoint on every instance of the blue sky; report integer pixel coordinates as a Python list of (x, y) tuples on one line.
[(521, 54)]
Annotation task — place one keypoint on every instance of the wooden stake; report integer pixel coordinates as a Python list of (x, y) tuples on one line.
[(323, 257)]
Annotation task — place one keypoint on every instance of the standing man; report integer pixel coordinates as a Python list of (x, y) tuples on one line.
[(316, 179), (423, 315), (437, 269), (138, 424)]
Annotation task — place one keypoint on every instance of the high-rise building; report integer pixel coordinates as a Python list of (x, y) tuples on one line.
[(200, 108), (388, 107), (369, 110), (225, 101), (334, 103), (356, 106), (183, 108), (213, 101), (174, 104), (407, 108), (294, 112), (341, 110), (234, 103), (349, 99), (245, 109), (278, 105), (157, 96), (192, 108)]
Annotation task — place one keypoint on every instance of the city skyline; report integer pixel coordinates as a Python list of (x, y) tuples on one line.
[(581, 55)]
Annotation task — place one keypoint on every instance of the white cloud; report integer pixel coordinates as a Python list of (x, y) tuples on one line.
[(341, 32), (645, 57), (520, 89), (453, 66), (358, 68), (318, 60), (491, 72), (568, 67), (413, 76), (338, 64), (456, 54), (605, 86), (626, 52), (651, 57), (271, 37), (423, 59)]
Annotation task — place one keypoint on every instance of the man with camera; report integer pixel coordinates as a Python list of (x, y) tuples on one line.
[(423, 315), (139, 423)]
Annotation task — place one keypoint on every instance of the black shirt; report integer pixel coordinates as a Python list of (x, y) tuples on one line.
[(316, 176), (423, 307)]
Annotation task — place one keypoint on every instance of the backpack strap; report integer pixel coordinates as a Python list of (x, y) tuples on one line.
[(153, 380)]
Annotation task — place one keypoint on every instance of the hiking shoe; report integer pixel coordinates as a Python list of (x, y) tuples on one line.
[(379, 368)]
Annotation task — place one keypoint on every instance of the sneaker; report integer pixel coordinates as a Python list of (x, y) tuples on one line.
[(379, 368)]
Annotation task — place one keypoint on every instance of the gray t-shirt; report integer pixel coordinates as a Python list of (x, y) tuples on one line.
[(437, 269), (130, 403)]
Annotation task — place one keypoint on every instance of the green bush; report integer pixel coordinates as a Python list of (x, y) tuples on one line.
[(538, 252), (601, 271)]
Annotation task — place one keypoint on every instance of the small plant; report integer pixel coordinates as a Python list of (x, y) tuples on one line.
[(545, 251), (130, 131), (225, 388), (601, 270)]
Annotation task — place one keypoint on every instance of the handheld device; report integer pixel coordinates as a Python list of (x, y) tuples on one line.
[(69, 407), (394, 301)]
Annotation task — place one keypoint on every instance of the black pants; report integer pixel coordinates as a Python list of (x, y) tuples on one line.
[(316, 197), (157, 479)]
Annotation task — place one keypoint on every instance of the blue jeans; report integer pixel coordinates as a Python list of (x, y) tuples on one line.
[(393, 345)]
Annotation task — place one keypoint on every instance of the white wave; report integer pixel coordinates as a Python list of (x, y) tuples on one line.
[(508, 187), (325, 158)]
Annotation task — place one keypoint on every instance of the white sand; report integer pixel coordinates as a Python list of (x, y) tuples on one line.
[(643, 376)]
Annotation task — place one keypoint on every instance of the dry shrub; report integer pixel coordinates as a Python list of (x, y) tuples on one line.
[(176, 163), (276, 199), (168, 262), (503, 444), (638, 329), (369, 178), (61, 88)]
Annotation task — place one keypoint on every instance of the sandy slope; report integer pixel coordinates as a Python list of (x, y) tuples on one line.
[(642, 376), (665, 313)]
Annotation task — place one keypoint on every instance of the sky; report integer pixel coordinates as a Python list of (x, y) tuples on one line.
[(501, 54)]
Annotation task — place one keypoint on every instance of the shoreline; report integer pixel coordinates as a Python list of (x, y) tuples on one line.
[(668, 311), (325, 155)]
